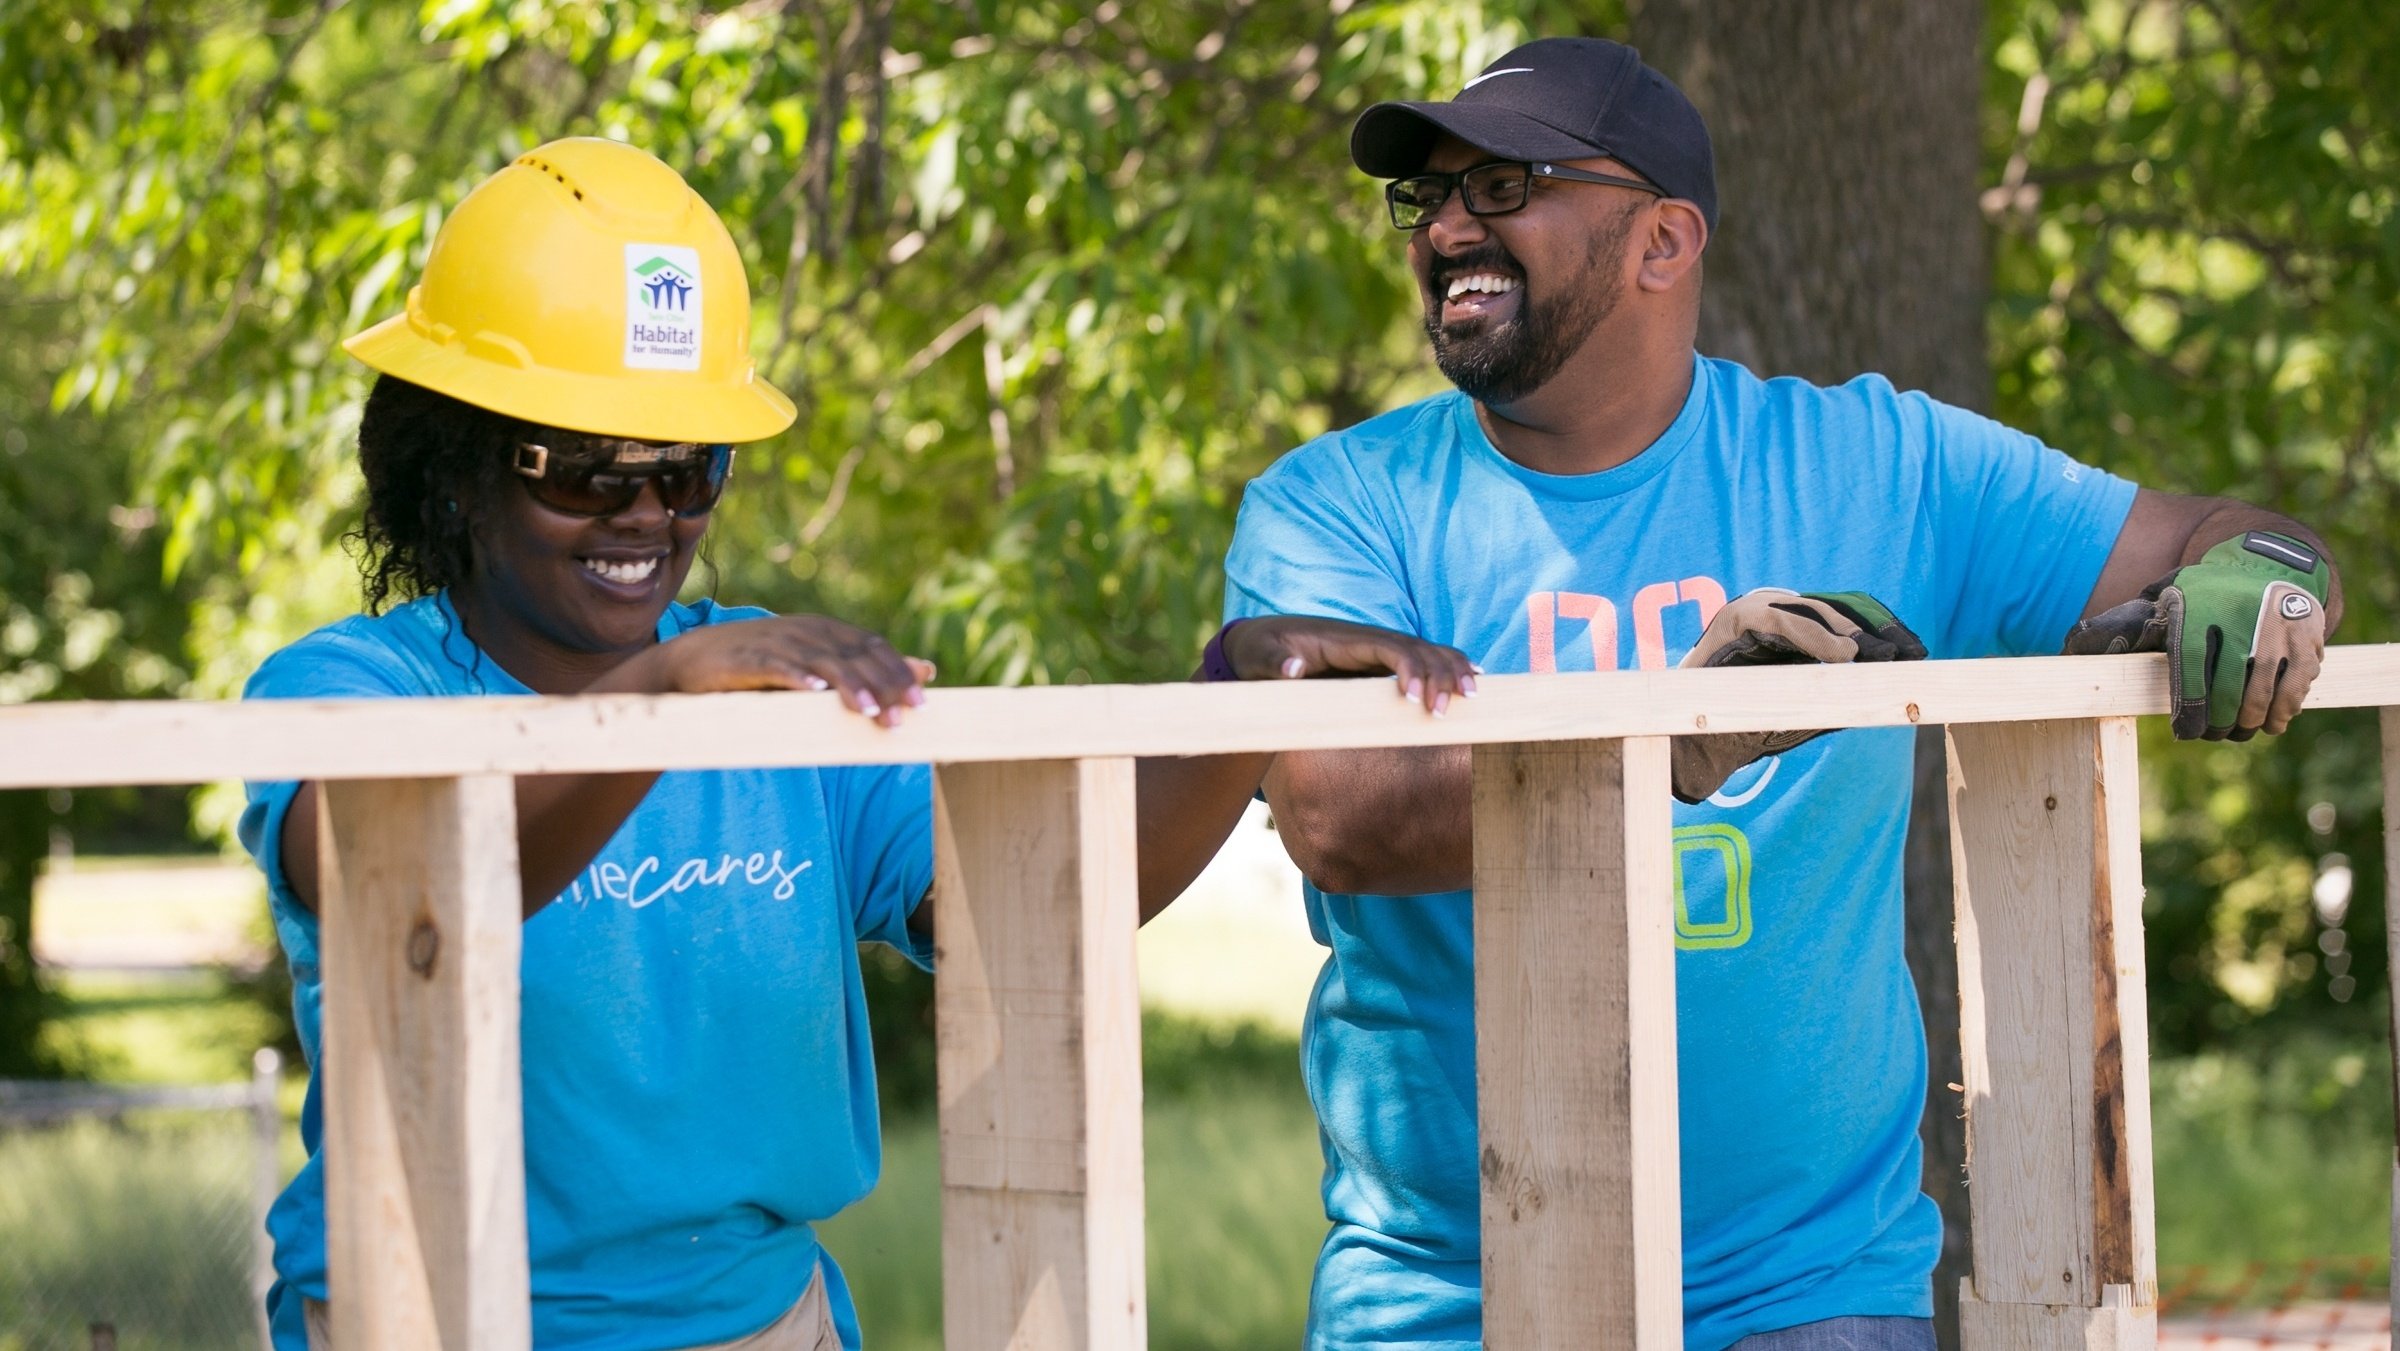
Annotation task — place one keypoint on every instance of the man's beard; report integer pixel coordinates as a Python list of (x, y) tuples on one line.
[(1502, 364)]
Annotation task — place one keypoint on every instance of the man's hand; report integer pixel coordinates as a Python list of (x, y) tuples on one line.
[(2243, 629), (1186, 806), (1774, 627), (1292, 647)]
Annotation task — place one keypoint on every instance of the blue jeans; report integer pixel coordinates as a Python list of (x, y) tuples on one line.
[(1845, 1334)]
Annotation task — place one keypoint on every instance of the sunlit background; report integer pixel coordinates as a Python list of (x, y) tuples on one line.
[(1049, 283)]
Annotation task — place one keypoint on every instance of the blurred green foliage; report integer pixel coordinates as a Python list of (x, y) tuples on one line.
[(85, 613), (2274, 1158), (2197, 256), (1051, 281), (1048, 282)]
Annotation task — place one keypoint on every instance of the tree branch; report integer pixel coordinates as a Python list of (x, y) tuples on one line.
[(257, 105), (915, 366)]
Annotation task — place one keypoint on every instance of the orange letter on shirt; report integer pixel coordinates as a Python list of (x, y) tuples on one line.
[(1649, 614), (1542, 612)]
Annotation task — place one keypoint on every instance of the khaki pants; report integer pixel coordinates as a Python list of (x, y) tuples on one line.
[(806, 1326)]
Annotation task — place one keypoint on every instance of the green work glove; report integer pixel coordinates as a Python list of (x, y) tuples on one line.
[(1775, 627), (2243, 630)]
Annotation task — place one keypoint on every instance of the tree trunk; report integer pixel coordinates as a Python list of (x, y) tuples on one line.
[(25, 818), (1848, 166)]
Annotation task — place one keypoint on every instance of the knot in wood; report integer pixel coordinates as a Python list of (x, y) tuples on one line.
[(1913, 715), (424, 945), (2050, 803), (1512, 1185)]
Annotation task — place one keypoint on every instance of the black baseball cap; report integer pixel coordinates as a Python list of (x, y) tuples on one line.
[(1556, 99)]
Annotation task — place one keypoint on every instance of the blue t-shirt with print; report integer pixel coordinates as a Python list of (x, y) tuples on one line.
[(1802, 1053), (697, 1075)]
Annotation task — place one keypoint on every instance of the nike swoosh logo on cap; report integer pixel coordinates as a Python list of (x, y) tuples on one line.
[(1496, 74)]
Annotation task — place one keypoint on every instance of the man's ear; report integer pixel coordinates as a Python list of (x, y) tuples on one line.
[(1678, 233)]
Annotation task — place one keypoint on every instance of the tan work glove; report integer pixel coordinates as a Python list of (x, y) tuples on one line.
[(1775, 627)]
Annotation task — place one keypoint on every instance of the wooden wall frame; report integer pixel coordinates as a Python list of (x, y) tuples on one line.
[(1039, 1047), (1037, 1003), (1575, 1046), (2045, 822)]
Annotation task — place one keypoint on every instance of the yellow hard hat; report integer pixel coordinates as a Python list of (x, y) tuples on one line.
[(586, 287)]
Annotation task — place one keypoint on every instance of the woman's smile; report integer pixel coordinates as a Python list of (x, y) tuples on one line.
[(629, 577)]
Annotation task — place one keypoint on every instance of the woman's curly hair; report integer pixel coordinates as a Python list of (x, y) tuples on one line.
[(430, 461)]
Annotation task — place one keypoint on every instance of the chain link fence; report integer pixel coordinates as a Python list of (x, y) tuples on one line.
[(133, 1219)]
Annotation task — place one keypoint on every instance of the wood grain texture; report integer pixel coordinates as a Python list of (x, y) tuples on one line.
[(2390, 719), (2045, 823), (1575, 1047), (70, 745), (2117, 1323), (424, 1137), (2125, 1212), (1038, 1020), (1859, 189)]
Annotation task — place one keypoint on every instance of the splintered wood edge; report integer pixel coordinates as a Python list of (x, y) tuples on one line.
[(68, 745)]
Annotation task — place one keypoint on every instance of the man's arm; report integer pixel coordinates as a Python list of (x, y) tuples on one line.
[(1184, 808), (1380, 822), (2238, 598), (2166, 531)]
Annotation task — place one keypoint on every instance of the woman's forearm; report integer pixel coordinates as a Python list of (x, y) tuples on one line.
[(1184, 809), (563, 821)]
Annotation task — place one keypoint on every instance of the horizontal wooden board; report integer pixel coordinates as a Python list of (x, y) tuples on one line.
[(67, 745)]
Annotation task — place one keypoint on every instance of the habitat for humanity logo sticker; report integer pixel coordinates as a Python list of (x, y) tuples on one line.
[(662, 307)]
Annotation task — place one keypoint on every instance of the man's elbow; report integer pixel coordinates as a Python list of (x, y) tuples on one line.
[(1325, 851)]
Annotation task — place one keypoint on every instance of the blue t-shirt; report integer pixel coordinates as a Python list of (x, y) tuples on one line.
[(1801, 1048), (698, 1083)]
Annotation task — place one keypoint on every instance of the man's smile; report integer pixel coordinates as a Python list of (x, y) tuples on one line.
[(1484, 294)]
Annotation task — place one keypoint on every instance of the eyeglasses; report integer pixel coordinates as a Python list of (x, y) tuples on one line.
[(1493, 189), (602, 475)]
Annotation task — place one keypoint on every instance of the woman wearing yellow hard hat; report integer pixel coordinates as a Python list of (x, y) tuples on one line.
[(552, 424)]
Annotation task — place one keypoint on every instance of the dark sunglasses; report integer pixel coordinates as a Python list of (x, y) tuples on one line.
[(602, 475), (1493, 189)]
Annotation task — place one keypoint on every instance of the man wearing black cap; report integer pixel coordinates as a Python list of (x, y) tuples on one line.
[(1590, 498)]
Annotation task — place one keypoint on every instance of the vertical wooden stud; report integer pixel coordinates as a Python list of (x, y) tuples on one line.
[(424, 1135), (1575, 1047), (1038, 1019), (2391, 947), (2046, 829)]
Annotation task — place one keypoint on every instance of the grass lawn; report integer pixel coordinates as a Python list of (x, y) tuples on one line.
[(2281, 1162), (2269, 1159), (150, 911), (144, 1225), (2277, 1164), (162, 1028), (1233, 1232)]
